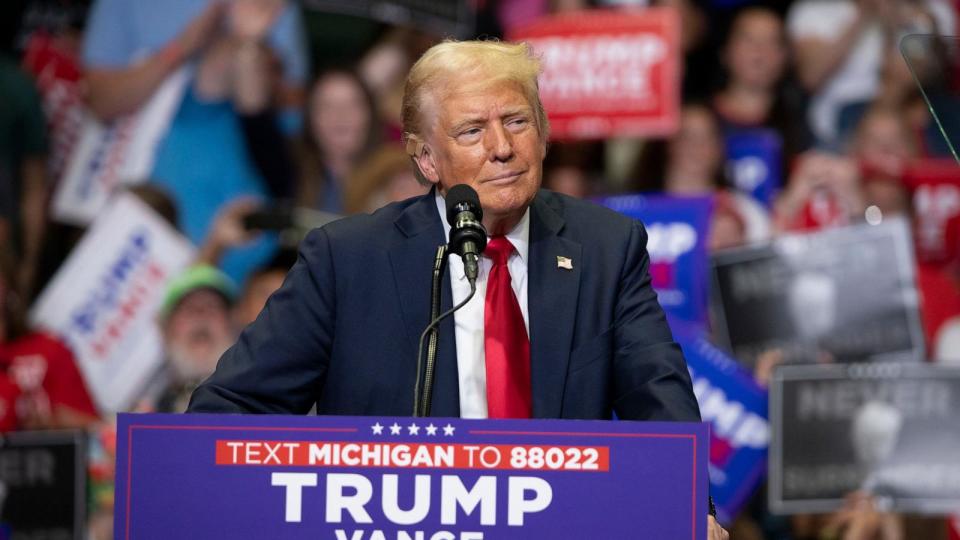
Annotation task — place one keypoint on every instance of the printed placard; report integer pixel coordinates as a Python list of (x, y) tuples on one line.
[(106, 156), (608, 73), (736, 408), (431, 478), (754, 162), (842, 295), (885, 428), (104, 299), (677, 229), (43, 484)]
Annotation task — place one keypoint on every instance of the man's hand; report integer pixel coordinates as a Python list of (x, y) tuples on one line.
[(715, 531), (227, 230)]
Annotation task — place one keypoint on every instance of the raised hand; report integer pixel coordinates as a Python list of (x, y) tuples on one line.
[(250, 20)]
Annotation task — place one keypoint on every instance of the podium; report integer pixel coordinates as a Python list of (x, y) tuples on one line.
[(382, 478)]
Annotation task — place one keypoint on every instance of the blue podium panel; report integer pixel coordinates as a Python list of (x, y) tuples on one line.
[(368, 478)]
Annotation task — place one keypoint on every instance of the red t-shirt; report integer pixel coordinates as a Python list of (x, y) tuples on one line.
[(44, 372), (940, 299), (8, 404), (934, 186)]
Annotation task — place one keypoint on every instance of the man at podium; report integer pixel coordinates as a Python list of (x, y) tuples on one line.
[(578, 331), (564, 323)]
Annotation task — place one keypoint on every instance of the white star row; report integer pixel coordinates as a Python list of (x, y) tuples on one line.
[(412, 429)]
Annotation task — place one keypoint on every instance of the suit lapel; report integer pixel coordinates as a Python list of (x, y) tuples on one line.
[(412, 262), (553, 290)]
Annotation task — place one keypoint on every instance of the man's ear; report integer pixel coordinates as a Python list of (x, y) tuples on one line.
[(427, 165)]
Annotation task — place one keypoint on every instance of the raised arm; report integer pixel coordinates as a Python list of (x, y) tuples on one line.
[(115, 88), (817, 56)]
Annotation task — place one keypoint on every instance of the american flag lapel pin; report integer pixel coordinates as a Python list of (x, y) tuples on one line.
[(564, 262)]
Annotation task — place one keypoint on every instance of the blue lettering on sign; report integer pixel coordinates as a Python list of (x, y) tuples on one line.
[(104, 296), (96, 160)]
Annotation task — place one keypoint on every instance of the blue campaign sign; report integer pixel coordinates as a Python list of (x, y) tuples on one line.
[(736, 408), (377, 478), (754, 161), (677, 232)]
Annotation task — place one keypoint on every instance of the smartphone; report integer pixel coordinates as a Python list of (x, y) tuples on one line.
[(274, 218)]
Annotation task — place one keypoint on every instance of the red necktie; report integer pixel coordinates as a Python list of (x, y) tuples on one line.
[(505, 341)]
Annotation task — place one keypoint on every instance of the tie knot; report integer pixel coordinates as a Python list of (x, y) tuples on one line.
[(499, 250)]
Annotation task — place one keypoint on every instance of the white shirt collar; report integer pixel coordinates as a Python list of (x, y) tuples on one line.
[(519, 236)]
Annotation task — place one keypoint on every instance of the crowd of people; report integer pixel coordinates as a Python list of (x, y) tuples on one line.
[(277, 130)]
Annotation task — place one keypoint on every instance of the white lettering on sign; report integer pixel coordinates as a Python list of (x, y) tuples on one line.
[(842, 399), (294, 484), (351, 494), (406, 535), (934, 205), (749, 172), (391, 497), (456, 495), (602, 68), (518, 505), (730, 421), (668, 241)]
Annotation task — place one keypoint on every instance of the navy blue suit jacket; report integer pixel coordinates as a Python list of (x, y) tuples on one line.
[(343, 330)]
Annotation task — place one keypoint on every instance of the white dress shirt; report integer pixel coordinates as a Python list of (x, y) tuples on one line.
[(468, 321)]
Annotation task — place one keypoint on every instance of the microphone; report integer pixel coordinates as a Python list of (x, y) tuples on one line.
[(468, 238)]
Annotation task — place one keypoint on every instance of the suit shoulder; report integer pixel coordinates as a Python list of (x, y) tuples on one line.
[(369, 229)]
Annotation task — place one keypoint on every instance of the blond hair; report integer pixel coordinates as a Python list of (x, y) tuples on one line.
[(450, 61)]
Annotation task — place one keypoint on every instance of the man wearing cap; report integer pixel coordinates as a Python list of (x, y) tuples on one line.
[(196, 324), (564, 324)]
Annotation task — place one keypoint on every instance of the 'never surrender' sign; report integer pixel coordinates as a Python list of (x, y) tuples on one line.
[(208, 476)]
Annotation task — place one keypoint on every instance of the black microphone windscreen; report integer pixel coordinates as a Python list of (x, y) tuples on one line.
[(462, 194)]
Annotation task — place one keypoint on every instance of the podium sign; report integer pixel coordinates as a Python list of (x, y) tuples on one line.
[(363, 478)]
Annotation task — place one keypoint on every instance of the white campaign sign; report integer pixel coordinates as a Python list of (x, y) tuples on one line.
[(104, 299), (121, 152)]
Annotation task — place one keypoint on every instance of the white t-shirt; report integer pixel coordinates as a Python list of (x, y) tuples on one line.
[(858, 78)]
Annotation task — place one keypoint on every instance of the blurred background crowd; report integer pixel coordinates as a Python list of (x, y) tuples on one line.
[(289, 116)]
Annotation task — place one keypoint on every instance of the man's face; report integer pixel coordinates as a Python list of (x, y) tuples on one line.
[(197, 332), (484, 136)]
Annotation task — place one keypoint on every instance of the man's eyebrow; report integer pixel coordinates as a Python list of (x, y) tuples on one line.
[(472, 121), (478, 120), (516, 111)]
